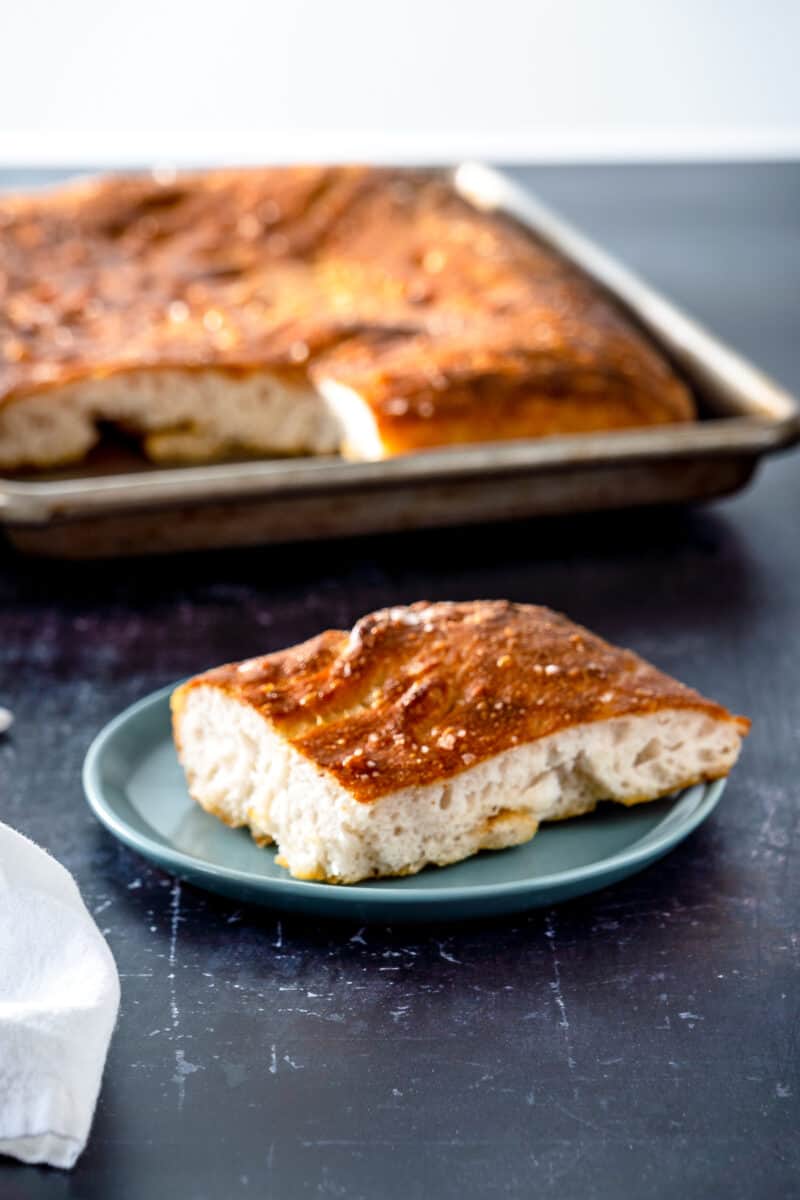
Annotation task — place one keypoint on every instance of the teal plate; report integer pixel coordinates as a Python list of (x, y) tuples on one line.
[(135, 786)]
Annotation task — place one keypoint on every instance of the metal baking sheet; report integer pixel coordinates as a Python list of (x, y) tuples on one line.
[(140, 509)]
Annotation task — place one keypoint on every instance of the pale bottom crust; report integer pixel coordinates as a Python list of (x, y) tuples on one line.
[(242, 771), (507, 828)]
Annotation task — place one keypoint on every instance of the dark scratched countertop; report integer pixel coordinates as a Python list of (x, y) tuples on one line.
[(639, 1042)]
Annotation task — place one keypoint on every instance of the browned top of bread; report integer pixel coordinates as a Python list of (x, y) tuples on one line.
[(415, 694), (384, 280)]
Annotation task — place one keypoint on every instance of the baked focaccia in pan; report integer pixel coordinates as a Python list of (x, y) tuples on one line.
[(430, 732), (300, 310)]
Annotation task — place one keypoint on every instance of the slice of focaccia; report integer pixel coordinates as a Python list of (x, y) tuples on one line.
[(433, 731)]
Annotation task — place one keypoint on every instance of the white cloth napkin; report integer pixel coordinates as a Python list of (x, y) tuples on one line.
[(59, 995)]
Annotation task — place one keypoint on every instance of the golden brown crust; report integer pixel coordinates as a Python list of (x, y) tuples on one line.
[(126, 273), (454, 324), (420, 693)]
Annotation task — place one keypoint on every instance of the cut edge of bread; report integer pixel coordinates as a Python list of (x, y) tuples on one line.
[(242, 770), (360, 437), (180, 415)]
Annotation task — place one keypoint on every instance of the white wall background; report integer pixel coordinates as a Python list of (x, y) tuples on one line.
[(214, 80)]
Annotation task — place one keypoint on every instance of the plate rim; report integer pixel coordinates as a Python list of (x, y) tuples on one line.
[(647, 849)]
